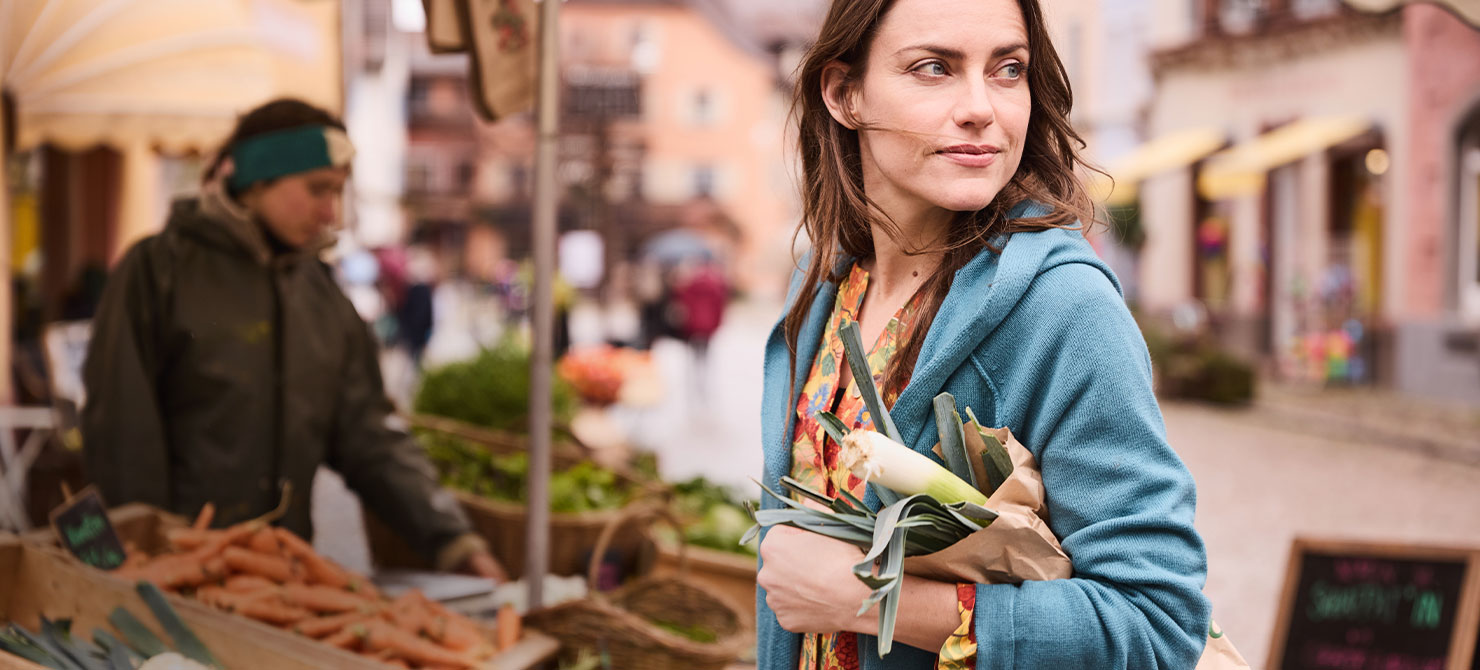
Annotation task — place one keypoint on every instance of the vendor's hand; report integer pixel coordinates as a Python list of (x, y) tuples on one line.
[(483, 564), (809, 581)]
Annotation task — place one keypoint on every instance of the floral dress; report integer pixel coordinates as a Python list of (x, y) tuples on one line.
[(815, 459)]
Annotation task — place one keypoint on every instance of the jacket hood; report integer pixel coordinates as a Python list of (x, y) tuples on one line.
[(982, 295), (216, 220)]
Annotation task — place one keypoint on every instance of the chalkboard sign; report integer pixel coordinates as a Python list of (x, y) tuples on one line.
[(1352, 606), (83, 527)]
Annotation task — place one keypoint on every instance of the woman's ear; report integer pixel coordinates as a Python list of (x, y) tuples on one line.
[(837, 93)]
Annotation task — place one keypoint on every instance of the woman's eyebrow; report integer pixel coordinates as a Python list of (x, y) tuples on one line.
[(950, 53)]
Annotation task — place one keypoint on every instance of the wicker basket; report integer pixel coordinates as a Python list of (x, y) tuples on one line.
[(620, 625), (572, 535), (572, 539)]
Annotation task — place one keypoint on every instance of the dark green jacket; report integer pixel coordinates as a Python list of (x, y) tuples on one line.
[(217, 370)]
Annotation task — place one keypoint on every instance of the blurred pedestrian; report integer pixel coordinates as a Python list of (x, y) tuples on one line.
[(416, 316), (226, 364), (699, 296)]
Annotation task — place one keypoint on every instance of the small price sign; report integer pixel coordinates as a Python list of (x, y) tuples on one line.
[(83, 527)]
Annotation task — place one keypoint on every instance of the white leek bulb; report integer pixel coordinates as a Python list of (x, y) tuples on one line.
[(871, 456)]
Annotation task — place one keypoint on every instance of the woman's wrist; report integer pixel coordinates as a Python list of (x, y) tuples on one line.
[(927, 614)]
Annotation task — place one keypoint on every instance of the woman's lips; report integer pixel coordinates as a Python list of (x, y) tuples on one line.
[(971, 155)]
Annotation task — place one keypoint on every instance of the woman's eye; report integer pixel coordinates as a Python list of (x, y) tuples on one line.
[(1012, 71), (932, 68)]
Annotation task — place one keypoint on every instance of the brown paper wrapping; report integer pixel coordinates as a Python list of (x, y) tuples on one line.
[(1018, 546)]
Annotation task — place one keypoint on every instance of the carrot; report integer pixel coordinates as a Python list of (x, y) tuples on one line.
[(452, 630), (185, 539), (265, 542), (262, 606), (509, 626), (171, 572), (221, 539), (348, 638), (253, 563), (409, 612), (248, 583), (323, 598), (317, 569), (206, 516), (324, 626), (381, 635), (132, 558)]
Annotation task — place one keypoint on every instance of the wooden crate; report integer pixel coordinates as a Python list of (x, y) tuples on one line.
[(503, 524), (37, 581), (74, 585)]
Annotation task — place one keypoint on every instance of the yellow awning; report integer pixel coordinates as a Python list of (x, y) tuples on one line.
[(1168, 152), (1469, 10), (172, 74), (1241, 170)]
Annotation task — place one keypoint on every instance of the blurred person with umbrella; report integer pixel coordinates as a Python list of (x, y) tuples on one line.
[(227, 365)]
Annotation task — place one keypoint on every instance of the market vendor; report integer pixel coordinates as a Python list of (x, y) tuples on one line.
[(226, 365)]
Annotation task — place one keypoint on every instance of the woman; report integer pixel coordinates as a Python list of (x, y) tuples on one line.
[(943, 213), (226, 364)]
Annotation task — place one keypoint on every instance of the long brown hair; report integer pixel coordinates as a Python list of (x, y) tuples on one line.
[(837, 216)]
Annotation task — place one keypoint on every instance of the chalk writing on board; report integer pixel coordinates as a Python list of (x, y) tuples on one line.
[(82, 526), (1372, 613)]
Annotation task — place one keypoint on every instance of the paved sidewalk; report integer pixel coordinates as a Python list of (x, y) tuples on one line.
[(1440, 430)]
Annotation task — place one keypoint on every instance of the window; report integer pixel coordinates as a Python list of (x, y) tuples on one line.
[(1310, 9), (703, 107), (704, 181), (465, 173), (1241, 16)]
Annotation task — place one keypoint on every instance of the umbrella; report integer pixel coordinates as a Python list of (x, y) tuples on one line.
[(676, 246)]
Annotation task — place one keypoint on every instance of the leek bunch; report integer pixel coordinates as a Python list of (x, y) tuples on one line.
[(54, 647), (925, 507)]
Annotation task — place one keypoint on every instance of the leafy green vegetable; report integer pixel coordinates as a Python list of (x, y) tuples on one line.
[(490, 390), (53, 646), (584, 487), (711, 515), (184, 638), (693, 632)]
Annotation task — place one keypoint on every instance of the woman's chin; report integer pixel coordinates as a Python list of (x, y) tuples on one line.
[(967, 201)]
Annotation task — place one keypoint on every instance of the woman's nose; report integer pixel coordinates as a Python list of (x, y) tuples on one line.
[(974, 105)]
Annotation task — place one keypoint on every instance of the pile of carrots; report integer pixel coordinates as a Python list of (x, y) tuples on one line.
[(271, 575)]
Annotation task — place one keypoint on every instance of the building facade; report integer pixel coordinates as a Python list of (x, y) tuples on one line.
[(1331, 237), (671, 117)]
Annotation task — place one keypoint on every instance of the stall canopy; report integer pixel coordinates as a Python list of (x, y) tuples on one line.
[(1241, 170), (1468, 10), (142, 76), (1171, 151)]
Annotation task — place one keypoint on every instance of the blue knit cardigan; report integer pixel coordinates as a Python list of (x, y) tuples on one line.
[(1038, 339)]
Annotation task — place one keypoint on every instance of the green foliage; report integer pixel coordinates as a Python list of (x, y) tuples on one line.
[(462, 465), (712, 516), (693, 632), (1196, 368), (490, 390)]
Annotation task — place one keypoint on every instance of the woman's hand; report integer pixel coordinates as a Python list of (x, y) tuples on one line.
[(809, 581)]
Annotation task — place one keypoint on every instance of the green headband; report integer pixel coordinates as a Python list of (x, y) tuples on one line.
[(284, 152)]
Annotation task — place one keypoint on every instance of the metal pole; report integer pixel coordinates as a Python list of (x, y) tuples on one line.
[(537, 534)]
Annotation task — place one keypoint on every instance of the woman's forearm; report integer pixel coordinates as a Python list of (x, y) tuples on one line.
[(927, 615)]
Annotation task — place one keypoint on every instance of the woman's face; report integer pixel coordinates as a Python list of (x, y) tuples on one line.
[(299, 209), (944, 103)]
